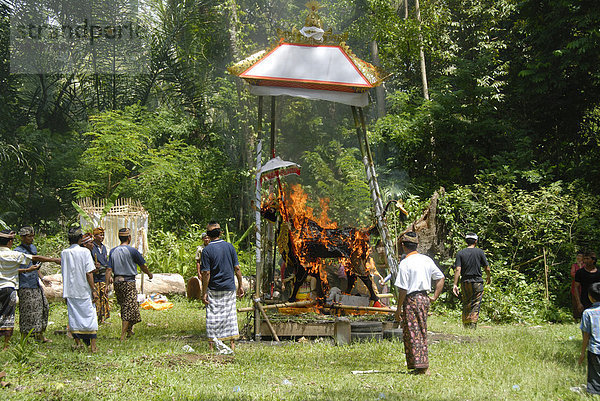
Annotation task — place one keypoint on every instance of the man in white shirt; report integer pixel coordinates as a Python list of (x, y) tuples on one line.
[(415, 274), (79, 291), (10, 263)]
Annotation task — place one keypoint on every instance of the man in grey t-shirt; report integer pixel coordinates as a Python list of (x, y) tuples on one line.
[(123, 262), (469, 262)]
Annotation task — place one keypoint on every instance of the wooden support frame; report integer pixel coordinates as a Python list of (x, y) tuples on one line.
[(367, 158)]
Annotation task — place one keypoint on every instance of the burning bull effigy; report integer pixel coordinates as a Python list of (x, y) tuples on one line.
[(305, 241)]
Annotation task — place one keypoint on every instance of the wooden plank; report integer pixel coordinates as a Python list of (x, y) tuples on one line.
[(292, 329)]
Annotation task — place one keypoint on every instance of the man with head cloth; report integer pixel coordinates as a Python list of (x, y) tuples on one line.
[(469, 262), (123, 261), (219, 266), (415, 274), (78, 290), (10, 267), (33, 305), (100, 255)]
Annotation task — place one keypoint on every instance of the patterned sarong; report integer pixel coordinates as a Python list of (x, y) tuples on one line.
[(414, 330), (471, 294), (33, 310), (8, 303), (127, 298), (221, 315), (83, 322), (102, 305)]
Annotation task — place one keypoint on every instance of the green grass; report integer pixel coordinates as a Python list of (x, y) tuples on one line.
[(484, 364)]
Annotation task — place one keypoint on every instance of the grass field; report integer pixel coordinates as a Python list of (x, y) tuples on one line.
[(495, 362)]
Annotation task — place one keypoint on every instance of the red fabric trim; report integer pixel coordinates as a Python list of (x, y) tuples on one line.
[(281, 80), (279, 173)]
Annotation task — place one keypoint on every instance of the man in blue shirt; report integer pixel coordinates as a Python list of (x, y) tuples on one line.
[(590, 330), (33, 305), (100, 255), (123, 261), (219, 265)]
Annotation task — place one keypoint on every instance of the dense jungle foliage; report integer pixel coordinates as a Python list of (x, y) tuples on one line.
[(508, 122)]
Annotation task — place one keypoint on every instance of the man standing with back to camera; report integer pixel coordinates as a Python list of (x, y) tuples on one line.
[(123, 261), (219, 266), (416, 273), (469, 262)]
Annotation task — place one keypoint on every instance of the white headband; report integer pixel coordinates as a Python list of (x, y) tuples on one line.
[(471, 236)]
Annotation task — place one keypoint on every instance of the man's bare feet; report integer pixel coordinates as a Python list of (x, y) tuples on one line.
[(422, 371)]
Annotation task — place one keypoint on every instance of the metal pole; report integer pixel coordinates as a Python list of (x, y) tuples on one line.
[(367, 158)]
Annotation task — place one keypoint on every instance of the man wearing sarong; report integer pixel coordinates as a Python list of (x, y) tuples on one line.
[(415, 275), (10, 263), (78, 290), (33, 305), (219, 266), (123, 261), (100, 255), (467, 267)]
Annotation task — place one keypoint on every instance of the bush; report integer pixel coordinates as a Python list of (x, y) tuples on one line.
[(517, 227), (172, 254)]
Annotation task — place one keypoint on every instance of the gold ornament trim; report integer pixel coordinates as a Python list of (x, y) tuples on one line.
[(373, 74)]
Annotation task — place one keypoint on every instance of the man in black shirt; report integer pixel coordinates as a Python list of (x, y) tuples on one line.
[(469, 262), (584, 278)]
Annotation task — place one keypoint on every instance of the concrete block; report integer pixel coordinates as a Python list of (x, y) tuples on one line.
[(342, 331)]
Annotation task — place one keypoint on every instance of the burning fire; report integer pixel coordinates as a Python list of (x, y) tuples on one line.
[(315, 239)]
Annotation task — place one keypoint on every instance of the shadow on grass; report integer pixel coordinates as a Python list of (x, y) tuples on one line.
[(319, 395)]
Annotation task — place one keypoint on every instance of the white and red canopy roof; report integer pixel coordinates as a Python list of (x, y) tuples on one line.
[(307, 68)]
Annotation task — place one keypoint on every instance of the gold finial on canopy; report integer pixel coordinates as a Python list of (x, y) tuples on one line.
[(313, 19)]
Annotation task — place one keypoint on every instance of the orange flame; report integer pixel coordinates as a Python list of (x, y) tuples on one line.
[(297, 212)]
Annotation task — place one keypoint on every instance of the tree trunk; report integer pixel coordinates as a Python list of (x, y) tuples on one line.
[(432, 231), (422, 53), (248, 139), (380, 90)]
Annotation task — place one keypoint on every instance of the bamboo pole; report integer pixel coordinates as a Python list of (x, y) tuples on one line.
[(367, 158), (259, 263), (264, 314), (546, 275), (363, 308), (283, 305), (529, 261)]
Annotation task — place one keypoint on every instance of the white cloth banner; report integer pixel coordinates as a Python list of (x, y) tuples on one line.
[(352, 99)]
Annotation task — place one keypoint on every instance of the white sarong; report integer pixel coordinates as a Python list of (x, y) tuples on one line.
[(82, 316)]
